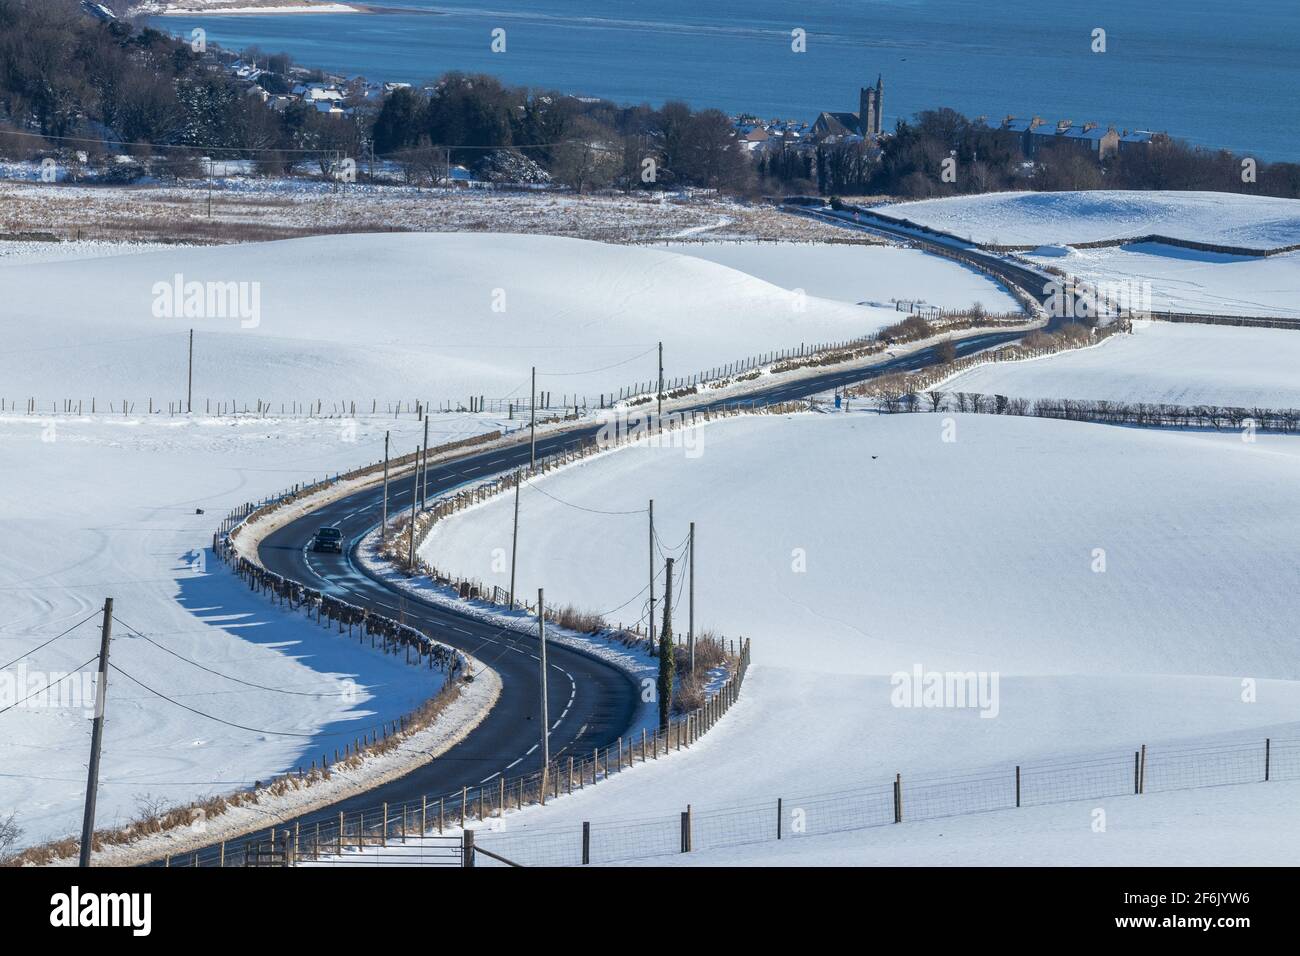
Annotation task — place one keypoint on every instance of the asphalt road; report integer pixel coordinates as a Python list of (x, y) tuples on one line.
[(591, 703)]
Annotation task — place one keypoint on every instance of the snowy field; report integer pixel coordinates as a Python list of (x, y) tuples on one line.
[(1161, 362), (853, 547), (442, 317), (856, 273), (107, 507), (1032, 218), (1186, 280), (1251, 823)]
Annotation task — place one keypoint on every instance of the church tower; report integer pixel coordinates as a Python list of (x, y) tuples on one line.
[(871, 104)]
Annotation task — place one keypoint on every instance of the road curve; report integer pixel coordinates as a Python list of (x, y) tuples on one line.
[(595, 701)]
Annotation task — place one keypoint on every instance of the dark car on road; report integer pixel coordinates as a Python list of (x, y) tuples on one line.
[(328, 539)]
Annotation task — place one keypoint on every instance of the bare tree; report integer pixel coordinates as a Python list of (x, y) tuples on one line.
[(10, 834)]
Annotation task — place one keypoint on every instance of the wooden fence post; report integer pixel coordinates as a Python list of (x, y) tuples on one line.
[(1267, 754), (686, 829), (898, 798), (467, 848), (1017, 784), (586, 842)]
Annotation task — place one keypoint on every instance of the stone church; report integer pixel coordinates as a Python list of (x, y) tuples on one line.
[(865, 123)]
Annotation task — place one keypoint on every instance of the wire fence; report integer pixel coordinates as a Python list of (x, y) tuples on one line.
[(1000, 788), (471, 831)]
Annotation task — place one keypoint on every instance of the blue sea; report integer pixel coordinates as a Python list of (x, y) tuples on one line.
[(1222, 74)]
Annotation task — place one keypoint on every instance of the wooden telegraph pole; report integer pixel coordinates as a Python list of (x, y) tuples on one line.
[(690, 620), (532, 445), (96, 738), (514, 543), (410, 557), (424, 485), (383, 526), (189, 388), (661, 385), (651, 615), (546, 720)]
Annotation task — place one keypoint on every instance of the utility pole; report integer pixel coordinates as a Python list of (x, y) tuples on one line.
[(514, 544), (668, 599), (666, 652), (96, 738), (410, 556), (383, 527), (424, 485), (546, 719), (532, 447), (661, 385), (189, 388), (690, 620), (651, 615)]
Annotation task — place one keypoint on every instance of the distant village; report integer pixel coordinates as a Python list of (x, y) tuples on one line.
[(866, 127)]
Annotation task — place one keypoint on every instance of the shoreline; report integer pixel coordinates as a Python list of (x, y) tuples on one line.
[(251, 8)]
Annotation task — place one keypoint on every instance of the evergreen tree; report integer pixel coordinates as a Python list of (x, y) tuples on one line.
[(666, 660)]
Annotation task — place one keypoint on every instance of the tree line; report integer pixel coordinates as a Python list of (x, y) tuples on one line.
[(74, 86), (1101, 411), (990, 159)]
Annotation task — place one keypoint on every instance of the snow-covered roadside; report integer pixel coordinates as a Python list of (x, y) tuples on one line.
[(961, 375), (473, 701), (633, 659)]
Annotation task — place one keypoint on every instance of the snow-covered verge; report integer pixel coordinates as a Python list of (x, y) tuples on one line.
[(1183, 364), (1037, 218), (1188, 280), (1124, 587), (876, 275), (480, 309), (289, 797), (107, 506)]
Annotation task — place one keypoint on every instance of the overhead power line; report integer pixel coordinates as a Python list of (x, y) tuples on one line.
[(50, 641), (236, 680)]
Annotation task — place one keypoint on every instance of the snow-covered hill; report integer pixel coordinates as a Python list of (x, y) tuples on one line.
[(1160, 362), (1187, 280), (856, 273), (1033, 218), (393, 316), (1121, 583)]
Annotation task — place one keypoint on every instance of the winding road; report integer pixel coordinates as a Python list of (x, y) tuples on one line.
[(592, 703)]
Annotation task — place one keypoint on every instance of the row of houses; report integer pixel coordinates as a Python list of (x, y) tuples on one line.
[(1035, 133), (333, 95)]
